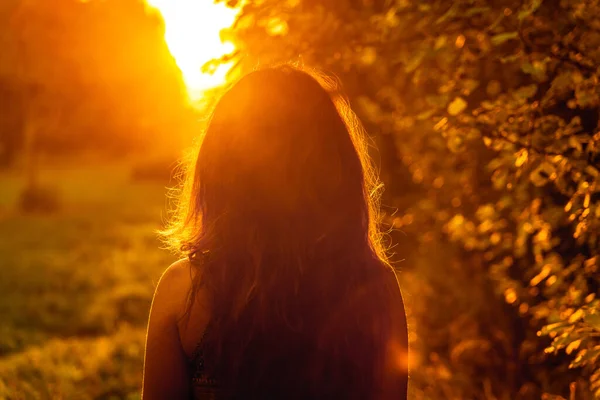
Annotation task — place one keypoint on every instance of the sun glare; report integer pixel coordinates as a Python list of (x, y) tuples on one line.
[(192, 33)]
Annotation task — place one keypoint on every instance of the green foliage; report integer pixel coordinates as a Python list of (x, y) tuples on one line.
[(106, 367), (487, 114), (77, 284), (81, 75)]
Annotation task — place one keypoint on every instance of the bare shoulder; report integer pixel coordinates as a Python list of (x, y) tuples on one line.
[(177, 273), (165, 365), (173, 288)]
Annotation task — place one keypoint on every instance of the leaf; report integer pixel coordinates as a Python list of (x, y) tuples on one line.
[(440, 124), (415, 61), (486, 212), (526, 92), (440, 42), (586, 356), (541, 276), (550, 396), (503, 37), (510, 295), (469, 85), (457, 106), (575, 143), (522, 156), (593, 171), (425, 114), (510, 59), (439, 100), (456, 223), (529, 9), (593, 320), (452, 11), (542, 174), (371, 109), (576, 316), (537, 69), (493, 88), (455, 143), (476, 10), (391, 18), (574, 345), (368, 56), (473, 345)]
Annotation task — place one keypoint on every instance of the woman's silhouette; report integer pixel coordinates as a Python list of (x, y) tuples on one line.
[(285, 291)]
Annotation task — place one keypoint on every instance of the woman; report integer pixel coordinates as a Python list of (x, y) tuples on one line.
[(285, 291)]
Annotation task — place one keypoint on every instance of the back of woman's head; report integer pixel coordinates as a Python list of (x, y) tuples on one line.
[(279, 215), (278, 159)]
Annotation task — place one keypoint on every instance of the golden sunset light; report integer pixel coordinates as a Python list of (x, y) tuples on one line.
[(192, 33), (302, 199)]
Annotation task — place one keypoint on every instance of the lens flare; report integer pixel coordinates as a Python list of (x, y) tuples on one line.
[(193, 35)]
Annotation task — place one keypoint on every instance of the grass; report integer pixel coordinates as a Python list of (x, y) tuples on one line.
[(76, 285)]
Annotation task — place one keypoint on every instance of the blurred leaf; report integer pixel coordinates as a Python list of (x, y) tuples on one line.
[(525, 92), (546, 330), (522, 156), (544, 173), (530, 7), (503, 37), (576, 316), (593, 171), (469, 86), (486, 212), (457, 106), (593, 319), (426, 114), (541, 276), (574, 345), (440, 42), (537, 69), (415, 60), (452, 12), (476, 11), (370, 108)]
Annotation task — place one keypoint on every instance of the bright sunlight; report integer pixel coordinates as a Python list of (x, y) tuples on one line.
[(192, 32)]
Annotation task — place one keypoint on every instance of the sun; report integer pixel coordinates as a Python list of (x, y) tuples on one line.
[(192, 33)]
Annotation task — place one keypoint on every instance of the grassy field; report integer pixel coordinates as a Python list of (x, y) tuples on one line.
[(75, 286)]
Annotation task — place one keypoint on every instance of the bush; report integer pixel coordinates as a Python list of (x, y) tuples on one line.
[(106, 367), (486, 114), (129, 303), (36, 199), (160, 170)]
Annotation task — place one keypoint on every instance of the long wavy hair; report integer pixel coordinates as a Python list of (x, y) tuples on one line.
[(279, 214)]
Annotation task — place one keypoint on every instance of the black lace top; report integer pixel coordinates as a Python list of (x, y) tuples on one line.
[(203, 382)]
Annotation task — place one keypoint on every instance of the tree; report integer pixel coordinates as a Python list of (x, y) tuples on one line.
[(32, 32), (491, 108), (89, 75), (10, 119), (9, 96)]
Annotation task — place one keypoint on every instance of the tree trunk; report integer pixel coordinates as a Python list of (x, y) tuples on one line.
[(29, 150)]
